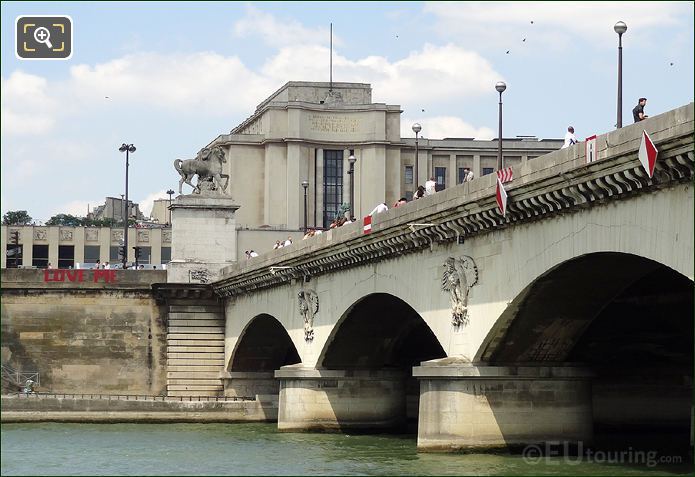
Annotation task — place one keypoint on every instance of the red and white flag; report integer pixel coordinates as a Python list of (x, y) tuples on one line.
[(367, 224), (505, 175), (501, 197), (647, 154)]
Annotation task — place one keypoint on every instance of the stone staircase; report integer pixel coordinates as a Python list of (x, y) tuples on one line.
[(195, 349)]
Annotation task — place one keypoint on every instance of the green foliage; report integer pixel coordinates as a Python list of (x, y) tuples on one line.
[(16, 217), (67, 220)]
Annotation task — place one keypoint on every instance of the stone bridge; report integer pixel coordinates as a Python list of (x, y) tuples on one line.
[(570, 314)]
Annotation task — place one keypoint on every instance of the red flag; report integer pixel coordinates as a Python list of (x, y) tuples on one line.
[(505, 175), (367, 224), (501, 197), (647, 154)]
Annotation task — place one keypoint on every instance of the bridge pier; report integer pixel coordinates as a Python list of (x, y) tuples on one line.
[(469, 407), (249, 384), (325, 400)]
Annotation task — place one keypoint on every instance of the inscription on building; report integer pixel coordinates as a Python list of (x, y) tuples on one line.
[(332, 123)]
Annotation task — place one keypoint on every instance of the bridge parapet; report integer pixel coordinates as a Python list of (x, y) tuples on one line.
[(556, 183)]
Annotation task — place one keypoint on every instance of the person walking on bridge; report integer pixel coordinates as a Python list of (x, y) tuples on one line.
[(570, 138), (638, 112)]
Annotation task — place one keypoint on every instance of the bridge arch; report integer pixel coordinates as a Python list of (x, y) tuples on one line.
[(625, 317), (263, 346), (547, 319), (379, 330)]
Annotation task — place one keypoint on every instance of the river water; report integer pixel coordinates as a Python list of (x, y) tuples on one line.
[(258, 449)]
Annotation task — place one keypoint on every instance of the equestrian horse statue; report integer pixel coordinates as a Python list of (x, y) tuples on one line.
[(208, 166)]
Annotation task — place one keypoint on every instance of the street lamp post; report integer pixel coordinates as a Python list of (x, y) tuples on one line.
[(416, 129), (352, 159), (170, 192), (620, 28), (127, 148), (500, 87), (305, 184), (122, 208)]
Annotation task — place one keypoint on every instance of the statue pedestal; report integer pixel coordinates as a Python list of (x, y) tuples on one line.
[(203, 238)]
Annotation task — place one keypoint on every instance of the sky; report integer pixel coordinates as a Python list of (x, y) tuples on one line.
[(169, 77)]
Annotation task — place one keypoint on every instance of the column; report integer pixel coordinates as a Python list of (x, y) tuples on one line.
[(324, 400), (27, 241), (318, 187), (78, 243), (3, 241), (53, 239), (156, 246), (104, 244), (295, 192), (453, 172), (477, 171), (468, 407)]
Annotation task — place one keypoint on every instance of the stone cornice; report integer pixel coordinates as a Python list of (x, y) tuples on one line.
[(557, 183)]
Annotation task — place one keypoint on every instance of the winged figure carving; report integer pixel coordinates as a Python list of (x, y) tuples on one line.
[(308, 308), (460, 274)]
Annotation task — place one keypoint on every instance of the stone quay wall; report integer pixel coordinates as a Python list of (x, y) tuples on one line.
[(17, 408), (85, 331)]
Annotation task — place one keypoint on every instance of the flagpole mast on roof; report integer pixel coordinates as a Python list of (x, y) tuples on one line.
[(330, 88)]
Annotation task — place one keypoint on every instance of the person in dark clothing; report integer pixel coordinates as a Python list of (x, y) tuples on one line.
[(638, 112)]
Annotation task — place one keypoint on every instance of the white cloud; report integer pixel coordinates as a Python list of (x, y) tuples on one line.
[(192, 82), (440, 127), (280, 32), (147, 203), (75, 207), (555, 24), (455, 71), (27, 107)]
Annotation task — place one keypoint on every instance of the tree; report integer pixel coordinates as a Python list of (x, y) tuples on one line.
[(65, 220), (16, 217)]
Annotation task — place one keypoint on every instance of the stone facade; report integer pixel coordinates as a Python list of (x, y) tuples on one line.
[(292, 134), (104, 238), (86, 337)]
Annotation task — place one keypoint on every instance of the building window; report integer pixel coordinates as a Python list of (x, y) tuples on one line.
[(39, 256), (14, 255), (440, 178), (113, 254), (488, 170), (332, 184), (166, 254), (91, 253), (408, 174), (462, 175), (66, 256), (145, 255)]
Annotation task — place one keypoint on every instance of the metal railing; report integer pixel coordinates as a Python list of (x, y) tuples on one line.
[(19, 378), (135, 397)]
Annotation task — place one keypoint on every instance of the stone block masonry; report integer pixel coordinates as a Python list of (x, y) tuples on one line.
[(90, 337)]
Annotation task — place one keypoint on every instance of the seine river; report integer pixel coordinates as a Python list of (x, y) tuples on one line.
[(258, 449)]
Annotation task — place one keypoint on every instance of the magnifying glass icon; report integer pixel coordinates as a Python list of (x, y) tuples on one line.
[(42, 35)]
